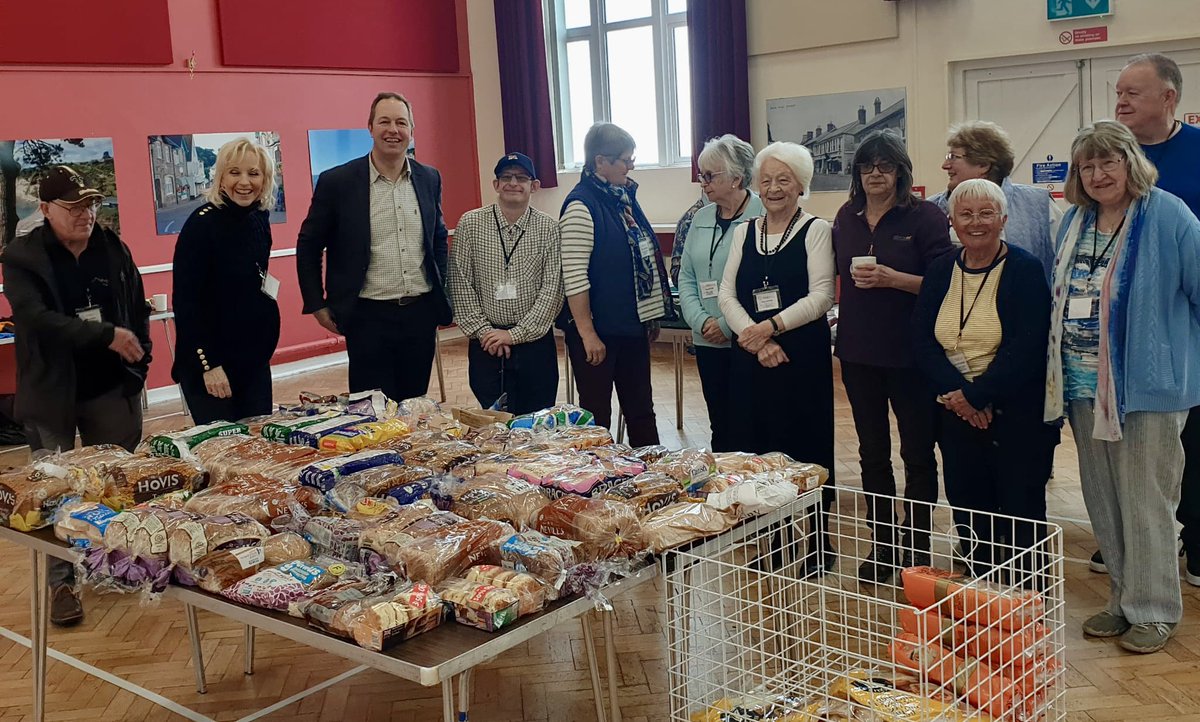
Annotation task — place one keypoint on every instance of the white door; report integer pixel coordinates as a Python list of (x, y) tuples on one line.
[(1104, 82), (1040, 105)]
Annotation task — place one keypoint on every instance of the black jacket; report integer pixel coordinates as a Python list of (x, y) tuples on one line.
[(47, 334), (219, 304), (339, 226)]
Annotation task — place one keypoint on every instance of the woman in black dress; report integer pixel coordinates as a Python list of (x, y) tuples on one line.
[(225, 309), (777, 286)]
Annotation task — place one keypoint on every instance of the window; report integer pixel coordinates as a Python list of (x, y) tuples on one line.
[(602, 54)]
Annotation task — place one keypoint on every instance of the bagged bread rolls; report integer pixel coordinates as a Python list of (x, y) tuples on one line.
[(334, 609), (387, 619), (450, 551), (480, 605), (683, 522), (530, 590), (498, 497), (604, 528)]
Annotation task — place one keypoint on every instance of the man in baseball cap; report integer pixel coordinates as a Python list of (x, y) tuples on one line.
[(82, 337), (506, 289)]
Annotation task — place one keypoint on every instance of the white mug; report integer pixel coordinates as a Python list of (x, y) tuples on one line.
[(160, 302)]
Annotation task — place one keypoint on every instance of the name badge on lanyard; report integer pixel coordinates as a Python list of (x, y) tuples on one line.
[(709, 289), (647, 248), (506, 291), (766, 299), (270, 285), (1081, 308), (90, 313)]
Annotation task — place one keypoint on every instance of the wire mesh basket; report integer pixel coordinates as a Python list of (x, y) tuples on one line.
[(939, 614)]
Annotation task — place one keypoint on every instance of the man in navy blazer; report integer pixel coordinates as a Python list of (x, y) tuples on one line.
[(377, 220)]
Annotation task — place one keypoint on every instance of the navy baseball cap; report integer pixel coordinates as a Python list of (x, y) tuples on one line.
[(521, 160)]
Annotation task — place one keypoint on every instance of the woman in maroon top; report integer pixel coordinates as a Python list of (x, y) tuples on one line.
[(884, 238)]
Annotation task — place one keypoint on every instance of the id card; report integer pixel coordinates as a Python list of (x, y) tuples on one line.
[(506, 291), (647, 248), (91, 313), (767, 299), (709, 289), (270, 286), (1080, 308), (959, 359)]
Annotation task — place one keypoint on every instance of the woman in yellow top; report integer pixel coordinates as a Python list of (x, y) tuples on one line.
[(980, 326)]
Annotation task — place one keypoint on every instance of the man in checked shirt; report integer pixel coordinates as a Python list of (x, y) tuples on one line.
[(505, 284)]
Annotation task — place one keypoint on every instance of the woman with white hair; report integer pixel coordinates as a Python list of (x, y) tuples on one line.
[(775, 290), (979, 335), (226, 314), (726, 166)]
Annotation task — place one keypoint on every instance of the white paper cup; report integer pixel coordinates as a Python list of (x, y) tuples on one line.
[(160, 302), (857, 261)]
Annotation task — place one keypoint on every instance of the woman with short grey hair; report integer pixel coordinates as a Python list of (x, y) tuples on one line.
[(726, 165)]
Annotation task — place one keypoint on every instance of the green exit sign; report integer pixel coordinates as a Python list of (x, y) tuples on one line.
[(1071, 9)]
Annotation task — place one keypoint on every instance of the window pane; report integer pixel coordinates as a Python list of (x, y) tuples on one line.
[(677, 6), (617, 10), (577, 13), (631, 87), (683, 92), (579, 90)]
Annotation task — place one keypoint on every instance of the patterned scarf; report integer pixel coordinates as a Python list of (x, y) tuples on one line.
[(622, 198)]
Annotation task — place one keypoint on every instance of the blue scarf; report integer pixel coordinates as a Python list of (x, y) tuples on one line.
[(643, 273)]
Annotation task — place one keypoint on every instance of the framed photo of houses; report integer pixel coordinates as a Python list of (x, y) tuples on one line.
[(23, 164), (183, 166), (832, 125)]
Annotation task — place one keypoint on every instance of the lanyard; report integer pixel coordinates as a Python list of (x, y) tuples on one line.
[(763, 241), (508, 253), (1095, 239), (963, 318), (715, 242)]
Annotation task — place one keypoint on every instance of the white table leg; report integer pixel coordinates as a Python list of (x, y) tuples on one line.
[(39, 616), (610, 652), (448, 700), (465, 680), (589, 645), (437, 358), (248, 644), (193, 627)]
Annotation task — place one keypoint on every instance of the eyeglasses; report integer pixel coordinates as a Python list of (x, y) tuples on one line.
[(883, 166), (707, 176), (78, 209), (1108, 167), (627, 162), (951, 157), (986, 217), (510, 178)]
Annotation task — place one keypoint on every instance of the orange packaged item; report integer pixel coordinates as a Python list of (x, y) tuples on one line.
[(971, 600), (1000, 646), (996, 694)]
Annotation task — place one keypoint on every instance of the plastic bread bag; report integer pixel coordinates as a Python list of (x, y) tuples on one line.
[(325, 473), (604, 528), (255, 496), (408, 610), (379, 530), (286, 546), (981, 603), (276, 587), (418, 406), (555, 416), (280, 428), (647, 492), (590, 480), (583, 437), (369, 508), (29, 497), (370, 403), (762, 705), (754, 496), (333, 610), (546, 557), (683, 522), (498, 438), (141, 478), (489, 463), (281, 462), (82, 523), (650, 454), (179, 444), (530, 590), (538, 469), (85, 468), (484, 606), (442, 456), (189, 540), (404, 484), (450, 551), (311, 435), (135, 551), (363, 436), (417, 440), (219, 570), (690, 467), (617, 465), (498, 497), (333, 536), (805, 477)]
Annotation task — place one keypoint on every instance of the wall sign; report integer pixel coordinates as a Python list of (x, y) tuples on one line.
[(1051, 171), (1072, 9)]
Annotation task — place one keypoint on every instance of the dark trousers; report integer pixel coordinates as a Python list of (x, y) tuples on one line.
[(391, 346), (111, 418), (715, 367), (251, 396), (1188, 513), (870, 390), (627, 366), (529, 375), (998, 470)]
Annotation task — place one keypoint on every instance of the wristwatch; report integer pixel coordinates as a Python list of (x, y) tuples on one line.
[(775, 326)]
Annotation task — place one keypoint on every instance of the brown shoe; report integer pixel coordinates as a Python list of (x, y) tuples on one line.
[(65, 608)]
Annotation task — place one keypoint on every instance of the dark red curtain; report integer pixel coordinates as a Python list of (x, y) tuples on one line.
[(719, 69), (524, 85)]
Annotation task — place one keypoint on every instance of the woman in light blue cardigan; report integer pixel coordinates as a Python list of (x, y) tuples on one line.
[(726, 166), (1124, 367)]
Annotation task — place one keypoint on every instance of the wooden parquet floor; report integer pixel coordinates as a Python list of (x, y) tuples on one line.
[(543, 680)]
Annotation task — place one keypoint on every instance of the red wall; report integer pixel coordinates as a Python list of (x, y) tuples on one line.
[(129, 104)]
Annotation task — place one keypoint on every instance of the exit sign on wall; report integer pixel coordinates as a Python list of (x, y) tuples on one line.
[(1071, 9)]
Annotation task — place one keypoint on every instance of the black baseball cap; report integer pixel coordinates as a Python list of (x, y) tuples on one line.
[(518, 159), (65, 185)]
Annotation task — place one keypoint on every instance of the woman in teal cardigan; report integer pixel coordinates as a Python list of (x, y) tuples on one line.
[(726, 166), (1124, 368)]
